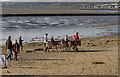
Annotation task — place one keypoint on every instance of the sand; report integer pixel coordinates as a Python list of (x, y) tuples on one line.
[(96, 56)]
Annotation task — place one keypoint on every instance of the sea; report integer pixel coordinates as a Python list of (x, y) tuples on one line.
[(33, 28)]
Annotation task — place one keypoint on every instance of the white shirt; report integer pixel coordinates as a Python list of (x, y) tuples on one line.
[(66, 38), (45, 39)]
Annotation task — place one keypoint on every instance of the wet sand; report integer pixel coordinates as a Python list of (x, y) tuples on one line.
[(96, 56), (16, 11)]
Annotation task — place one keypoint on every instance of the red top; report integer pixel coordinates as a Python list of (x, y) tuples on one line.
[(14, 47), (76, 37)]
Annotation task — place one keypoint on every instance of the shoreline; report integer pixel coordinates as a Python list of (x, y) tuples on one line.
[(62, 14), (33, 39)]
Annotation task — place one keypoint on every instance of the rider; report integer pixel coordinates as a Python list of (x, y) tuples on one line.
[(73, 39), (76, 40), (52, 40)]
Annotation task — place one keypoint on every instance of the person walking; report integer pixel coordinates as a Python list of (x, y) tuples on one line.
[(46, 42), (9, 48), (77, 38), (66, 40), (16, 49), (20, 43)]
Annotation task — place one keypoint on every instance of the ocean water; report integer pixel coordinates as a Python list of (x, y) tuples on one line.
[(35, 27)]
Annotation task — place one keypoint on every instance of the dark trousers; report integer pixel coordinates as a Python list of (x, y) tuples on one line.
[(9, 51), (21, 47), (15, 53), (46, 46)]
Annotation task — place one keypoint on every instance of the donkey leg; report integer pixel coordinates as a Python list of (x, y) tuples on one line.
[(56, 49)]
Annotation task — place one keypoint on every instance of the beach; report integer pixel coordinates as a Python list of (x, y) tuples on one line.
[(95, 22), (96, 56)]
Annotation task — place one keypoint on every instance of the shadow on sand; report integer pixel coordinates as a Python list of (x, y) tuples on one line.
[(88, 51), (47, 59), (24, 59)]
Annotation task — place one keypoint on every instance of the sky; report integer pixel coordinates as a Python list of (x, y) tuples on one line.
[(59, 0)]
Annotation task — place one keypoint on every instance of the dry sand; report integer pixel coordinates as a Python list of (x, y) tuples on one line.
[(96, 56)]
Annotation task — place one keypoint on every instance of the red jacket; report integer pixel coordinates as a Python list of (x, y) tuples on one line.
[(76, 37), (15, 47)]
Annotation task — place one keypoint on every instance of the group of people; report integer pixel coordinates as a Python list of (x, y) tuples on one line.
[(75, 38), (15, 47)]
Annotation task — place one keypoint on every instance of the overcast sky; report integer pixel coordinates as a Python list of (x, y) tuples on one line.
[(59, 0)]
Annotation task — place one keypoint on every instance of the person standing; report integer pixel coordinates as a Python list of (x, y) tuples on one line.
[(16, 49), (9, 48), (20, 43), (66, 40), (46, 42)]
